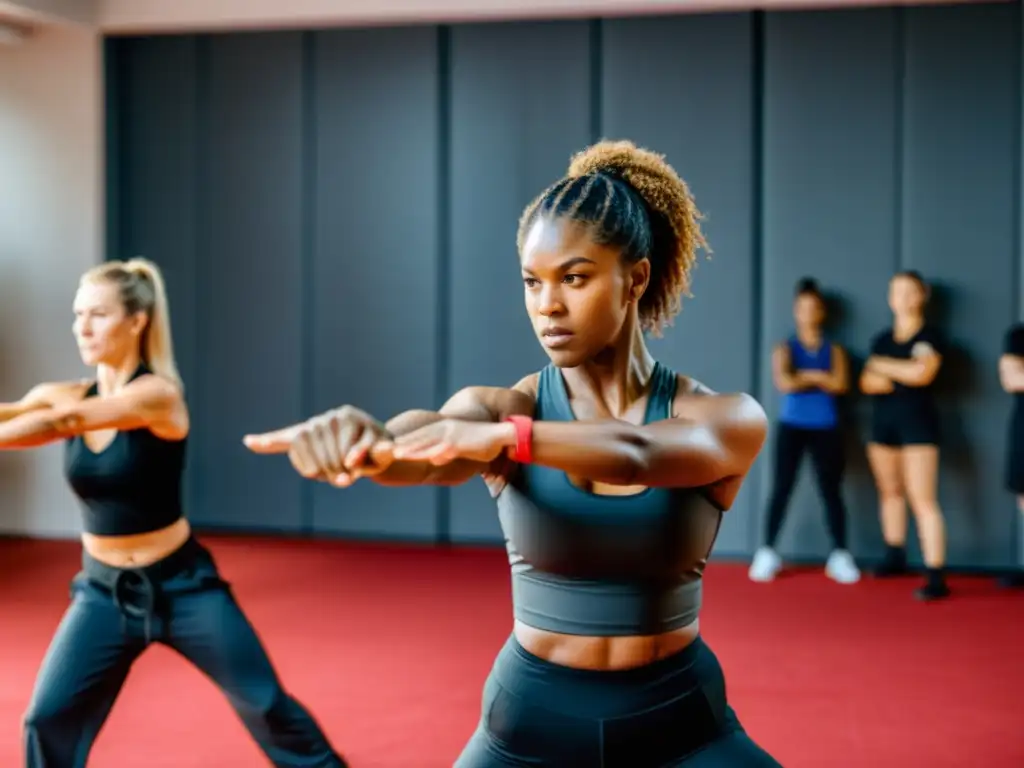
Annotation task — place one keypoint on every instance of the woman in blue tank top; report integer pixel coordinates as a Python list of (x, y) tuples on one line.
[(611, 473), (810, 371)]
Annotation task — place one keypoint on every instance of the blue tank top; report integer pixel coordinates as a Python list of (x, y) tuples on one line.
[(587, 564), (810, 408)]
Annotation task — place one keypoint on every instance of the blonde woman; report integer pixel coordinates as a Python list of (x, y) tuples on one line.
[(899, 375), (145, 578)]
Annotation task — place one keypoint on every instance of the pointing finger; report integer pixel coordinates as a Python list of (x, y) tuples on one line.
[(278, 441)]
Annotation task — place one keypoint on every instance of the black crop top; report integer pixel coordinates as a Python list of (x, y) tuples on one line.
[(1013, 344), (133, 486), (589, 564)]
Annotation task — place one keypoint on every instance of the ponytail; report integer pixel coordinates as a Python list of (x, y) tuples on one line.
[(157, 343), (142, 289)]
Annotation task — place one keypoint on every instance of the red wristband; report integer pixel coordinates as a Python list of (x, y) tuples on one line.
[(523, 452)]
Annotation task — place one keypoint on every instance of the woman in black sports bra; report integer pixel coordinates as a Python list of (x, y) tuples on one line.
[(611, 473), (144, 577)]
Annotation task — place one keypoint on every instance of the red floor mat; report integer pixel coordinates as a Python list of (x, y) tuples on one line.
[(389, 647)]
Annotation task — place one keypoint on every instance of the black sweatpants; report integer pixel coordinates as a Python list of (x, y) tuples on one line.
[(670, 714), (182, 603), (826, 449)]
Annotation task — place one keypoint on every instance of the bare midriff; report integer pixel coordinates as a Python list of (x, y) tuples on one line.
[(604, 654), (138, 550)]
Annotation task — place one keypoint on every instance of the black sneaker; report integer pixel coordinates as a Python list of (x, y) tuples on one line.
[(932, 591), (1014, 580)]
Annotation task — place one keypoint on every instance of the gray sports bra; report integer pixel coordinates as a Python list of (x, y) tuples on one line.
[(586, 564)]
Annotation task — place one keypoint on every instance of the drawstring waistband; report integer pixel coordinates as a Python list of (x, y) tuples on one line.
[(142, 586), (136, 591)]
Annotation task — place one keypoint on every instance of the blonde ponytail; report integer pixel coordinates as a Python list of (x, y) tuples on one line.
[(142, 289)]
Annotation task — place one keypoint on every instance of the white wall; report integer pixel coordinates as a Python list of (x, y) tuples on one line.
[(147, 16), (58, 11), (51, 217)]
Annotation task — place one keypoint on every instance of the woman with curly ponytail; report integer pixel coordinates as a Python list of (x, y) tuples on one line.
[(612, 473)]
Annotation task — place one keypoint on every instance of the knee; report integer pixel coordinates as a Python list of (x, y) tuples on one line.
[(926, 509), (268, 702), (40, 717), (890, 493)]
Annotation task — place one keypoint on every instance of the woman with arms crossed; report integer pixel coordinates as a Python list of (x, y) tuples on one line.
[(812, 372), (619, 472), (1011, 376), (904, 447), (144, 577)]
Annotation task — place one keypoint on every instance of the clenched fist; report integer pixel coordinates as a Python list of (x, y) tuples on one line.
[(339, 446)]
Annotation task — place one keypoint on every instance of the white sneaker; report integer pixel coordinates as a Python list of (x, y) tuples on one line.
[(766, 565), (841, 567)]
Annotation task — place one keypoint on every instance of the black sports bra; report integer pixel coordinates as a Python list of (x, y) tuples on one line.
[(132, 486)]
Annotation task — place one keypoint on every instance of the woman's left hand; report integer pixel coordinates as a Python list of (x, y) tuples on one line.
[(449, 439)]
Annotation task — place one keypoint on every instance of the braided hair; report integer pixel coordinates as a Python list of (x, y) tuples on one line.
[(631, 199)]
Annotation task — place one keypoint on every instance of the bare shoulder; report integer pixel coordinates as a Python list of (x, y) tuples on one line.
[(697, 401), (519, 400), (153, 386), (687, 385), (493, 403), (163, 402)]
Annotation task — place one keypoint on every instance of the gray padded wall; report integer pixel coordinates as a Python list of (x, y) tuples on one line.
[(152, 167), (520, 105), (686, 87), (960, 227), (376, 256), (250, 333), (336, 214), (818, 130)]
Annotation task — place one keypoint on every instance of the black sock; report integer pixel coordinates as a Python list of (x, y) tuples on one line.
[(896, 554), (936, 577)]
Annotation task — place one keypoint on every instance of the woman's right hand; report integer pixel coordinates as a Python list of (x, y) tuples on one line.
[(339, 446)]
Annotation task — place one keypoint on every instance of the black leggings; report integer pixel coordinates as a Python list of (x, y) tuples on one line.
[(826, 449), (112, 620), (670, 714)]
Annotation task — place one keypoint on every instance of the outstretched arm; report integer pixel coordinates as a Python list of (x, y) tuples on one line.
[(345, 444), (711, 439), (473, 404), (39, 397), (147, 402), (717, 440)]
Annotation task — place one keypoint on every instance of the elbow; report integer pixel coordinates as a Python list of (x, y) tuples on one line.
[(922, 380), (633, 459), (703, 460), (60, 424)]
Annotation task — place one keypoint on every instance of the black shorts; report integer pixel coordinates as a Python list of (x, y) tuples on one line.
[(1015, 454), (669, 713), (899, 426)]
